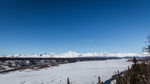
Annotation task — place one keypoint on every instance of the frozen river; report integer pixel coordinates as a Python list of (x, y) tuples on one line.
[(78, 73)]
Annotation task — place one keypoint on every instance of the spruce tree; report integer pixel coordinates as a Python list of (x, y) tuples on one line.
[(68, 82), (134, 60), (99, 81)]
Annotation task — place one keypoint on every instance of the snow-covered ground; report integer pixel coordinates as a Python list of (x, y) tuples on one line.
[(79, 73)]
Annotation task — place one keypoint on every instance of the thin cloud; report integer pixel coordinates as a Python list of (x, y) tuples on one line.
[(90, 40)]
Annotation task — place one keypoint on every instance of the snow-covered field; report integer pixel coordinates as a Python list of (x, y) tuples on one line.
[(78, 73)]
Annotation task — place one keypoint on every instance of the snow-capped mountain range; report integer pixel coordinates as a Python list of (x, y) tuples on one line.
[(71, 54)]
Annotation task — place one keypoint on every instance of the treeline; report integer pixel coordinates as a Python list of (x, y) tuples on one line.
[(13, 65), (139, 73), (98, 82)]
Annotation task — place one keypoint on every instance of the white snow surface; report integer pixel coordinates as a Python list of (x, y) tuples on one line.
[(78, 73), (71, 54)]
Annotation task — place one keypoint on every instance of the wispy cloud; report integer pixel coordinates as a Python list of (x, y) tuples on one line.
[(90, 40)]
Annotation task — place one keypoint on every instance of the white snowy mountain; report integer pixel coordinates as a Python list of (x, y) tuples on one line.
[(106, 54), (33, 55), (71, 54)]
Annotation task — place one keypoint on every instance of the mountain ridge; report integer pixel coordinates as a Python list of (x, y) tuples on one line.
[(73, 54)]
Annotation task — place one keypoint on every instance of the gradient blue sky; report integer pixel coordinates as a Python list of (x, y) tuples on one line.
[(32, 26)]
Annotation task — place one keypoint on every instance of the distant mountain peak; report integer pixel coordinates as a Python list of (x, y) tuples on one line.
[(75, 54)]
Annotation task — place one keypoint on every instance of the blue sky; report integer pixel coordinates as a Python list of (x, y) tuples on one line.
[(32, 26)]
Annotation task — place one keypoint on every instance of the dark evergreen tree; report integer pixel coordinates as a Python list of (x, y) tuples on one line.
[(68, 82), (134, 60), (99, 81)]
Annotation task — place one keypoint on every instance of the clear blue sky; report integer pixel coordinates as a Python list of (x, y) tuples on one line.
[(31, 26)]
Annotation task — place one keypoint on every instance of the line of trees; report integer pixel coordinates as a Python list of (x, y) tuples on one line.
[(138, 74), (99, 81)]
